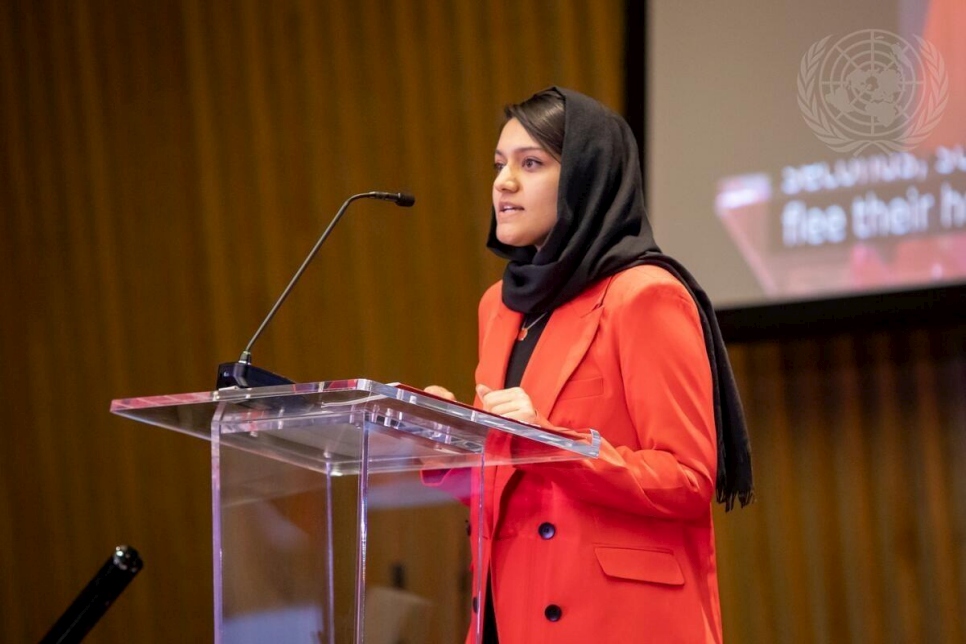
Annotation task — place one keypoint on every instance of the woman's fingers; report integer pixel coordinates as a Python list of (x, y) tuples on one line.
[(513, 403), (498, 396), (442, 392)]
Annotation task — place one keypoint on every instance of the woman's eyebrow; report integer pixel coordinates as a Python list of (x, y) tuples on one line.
[(530, 148)]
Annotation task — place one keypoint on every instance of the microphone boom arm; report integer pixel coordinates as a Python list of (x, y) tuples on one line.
[(400, 198)]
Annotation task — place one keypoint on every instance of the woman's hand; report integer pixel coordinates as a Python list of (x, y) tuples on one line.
[(513, 403), (442, 392)]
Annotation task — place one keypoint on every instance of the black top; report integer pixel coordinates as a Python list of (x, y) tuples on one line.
[(521, 352)]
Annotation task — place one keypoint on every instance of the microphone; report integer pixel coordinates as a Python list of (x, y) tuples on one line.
[(403, 199), (242, 373)]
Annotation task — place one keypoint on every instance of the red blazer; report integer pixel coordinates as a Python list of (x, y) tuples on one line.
[(621, 548)]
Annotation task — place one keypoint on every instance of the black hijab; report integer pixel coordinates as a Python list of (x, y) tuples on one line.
[(602, 228)]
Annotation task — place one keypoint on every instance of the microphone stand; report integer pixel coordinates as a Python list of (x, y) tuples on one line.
[(242, 373)]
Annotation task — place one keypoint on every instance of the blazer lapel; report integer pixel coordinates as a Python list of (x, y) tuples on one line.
[(497, 341), (562, 346)]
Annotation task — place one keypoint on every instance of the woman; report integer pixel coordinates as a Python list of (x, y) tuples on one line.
[(592, 327)]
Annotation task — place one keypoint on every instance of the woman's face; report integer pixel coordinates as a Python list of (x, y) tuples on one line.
[(525, 188)]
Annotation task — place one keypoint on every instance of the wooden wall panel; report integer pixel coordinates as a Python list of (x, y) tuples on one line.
[(164, 168), (859, 458)]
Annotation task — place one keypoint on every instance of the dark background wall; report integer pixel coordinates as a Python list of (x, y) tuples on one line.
[(163, 170), (860, 454)]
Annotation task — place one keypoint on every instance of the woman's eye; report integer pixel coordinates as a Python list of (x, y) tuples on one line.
[(497, 166), (531, 163)]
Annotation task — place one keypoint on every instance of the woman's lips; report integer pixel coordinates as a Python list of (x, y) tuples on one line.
[(506, 211)]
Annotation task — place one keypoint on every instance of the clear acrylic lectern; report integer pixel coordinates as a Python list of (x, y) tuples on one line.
[(329, 505)]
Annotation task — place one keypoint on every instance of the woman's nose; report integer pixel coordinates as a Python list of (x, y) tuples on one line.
[(505, 181)]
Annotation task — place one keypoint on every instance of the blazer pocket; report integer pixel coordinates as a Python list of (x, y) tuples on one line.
[(582, 388), (655, 566)]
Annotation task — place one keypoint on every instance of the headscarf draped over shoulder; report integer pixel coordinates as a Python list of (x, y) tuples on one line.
[(602, 228)]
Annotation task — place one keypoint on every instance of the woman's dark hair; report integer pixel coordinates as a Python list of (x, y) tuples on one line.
[(542, 116)]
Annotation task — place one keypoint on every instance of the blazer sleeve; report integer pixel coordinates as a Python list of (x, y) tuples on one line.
[(659, 348)]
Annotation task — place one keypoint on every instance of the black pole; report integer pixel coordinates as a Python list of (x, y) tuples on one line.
[(92, 602)]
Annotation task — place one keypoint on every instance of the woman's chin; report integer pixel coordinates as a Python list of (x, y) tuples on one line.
[(510, 238)]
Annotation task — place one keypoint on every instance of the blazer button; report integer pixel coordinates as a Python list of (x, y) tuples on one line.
[(476, 604), (547, 530), (553, 612)]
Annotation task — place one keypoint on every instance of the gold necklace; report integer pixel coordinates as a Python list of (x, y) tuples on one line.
[(526, 327)]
